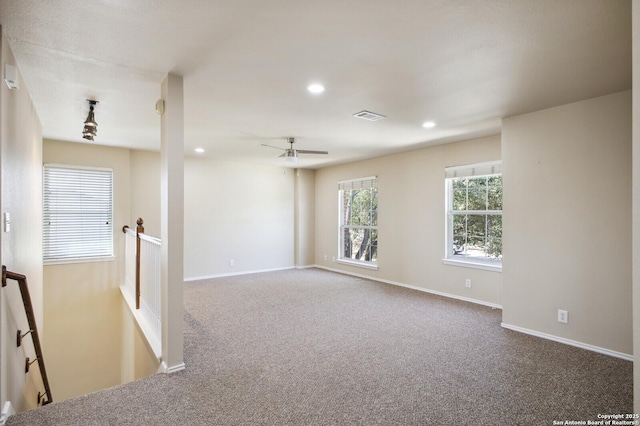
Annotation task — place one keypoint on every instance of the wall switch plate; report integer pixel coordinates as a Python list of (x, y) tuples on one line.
[(467, 283), (7, 222), (563, 316), (232, 262)]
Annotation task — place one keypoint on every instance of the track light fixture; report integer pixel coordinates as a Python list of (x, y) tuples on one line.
[(90, 125)]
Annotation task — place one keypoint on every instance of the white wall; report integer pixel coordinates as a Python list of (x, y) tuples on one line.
[(305, 184), (567, 221), (21, 248), (411, 218), (243, 212), (636, 201), (237, 211)]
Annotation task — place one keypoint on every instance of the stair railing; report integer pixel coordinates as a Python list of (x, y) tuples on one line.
[(143, 253), (33, 330), (139, 230)]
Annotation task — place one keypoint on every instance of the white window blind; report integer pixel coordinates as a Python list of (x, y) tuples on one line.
[(364, 183), (481, 169), (78, 213)]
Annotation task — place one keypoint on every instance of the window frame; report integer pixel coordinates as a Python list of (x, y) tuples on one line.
[(477, 170), (107, 239), (370, 182)]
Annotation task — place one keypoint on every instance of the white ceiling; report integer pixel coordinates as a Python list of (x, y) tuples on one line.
[(246, 65)]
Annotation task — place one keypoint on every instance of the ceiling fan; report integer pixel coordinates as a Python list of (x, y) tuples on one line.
[(292, 154)]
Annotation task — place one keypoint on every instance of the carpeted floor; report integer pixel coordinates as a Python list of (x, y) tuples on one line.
[(311, 347)]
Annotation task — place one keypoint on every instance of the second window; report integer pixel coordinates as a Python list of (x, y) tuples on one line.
[(358, 226)]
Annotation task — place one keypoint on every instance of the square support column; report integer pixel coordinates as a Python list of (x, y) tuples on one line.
[(172, 223)]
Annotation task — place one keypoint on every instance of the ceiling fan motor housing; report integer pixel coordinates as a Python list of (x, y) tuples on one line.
[(291, 153)]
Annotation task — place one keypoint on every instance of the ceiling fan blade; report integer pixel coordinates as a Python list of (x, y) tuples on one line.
[(264, 144), (284, 154), (306, 151)]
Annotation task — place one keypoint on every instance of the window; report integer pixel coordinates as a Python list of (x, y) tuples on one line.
[(78, 214), (474, 215), (358, 226)]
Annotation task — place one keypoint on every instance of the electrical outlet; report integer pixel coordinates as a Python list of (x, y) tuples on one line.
[(325, 257), (232, 262), (563, 316), (467, 283)]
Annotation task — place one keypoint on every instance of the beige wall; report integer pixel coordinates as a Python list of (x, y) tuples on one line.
[(82, 301), (145, 190), (138, 359), (93, 340), (567, 221), (411, 218), (305, 184), (21, 248)]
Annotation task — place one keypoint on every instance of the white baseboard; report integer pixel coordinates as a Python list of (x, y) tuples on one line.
[(424, 290), (569, 342), (231, 274), (448, 295), (7, 410), (164, 368), (306, 266)]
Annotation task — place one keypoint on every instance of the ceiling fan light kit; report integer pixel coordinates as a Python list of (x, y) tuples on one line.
[(291, 156)]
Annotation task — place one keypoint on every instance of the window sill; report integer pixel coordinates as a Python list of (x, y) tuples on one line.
[(358, 264), (78, 260), (473, 265)]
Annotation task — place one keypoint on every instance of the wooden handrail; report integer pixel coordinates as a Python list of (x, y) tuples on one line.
[(28, 309), (139, 230)]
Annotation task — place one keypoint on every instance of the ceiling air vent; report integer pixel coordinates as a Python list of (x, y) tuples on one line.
[(368, 115)]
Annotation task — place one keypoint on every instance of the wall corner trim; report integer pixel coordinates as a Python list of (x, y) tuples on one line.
[(7, 411), (306, 266), (569, 342), (164, 368)]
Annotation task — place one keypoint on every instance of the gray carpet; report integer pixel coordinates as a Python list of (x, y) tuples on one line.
[(311, 347)]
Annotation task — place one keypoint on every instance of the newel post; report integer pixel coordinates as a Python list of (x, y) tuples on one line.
[(139, 230)]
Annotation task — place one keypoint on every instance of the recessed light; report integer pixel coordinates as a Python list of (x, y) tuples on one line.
[(428, 124), (199, 150), (315, 88)]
